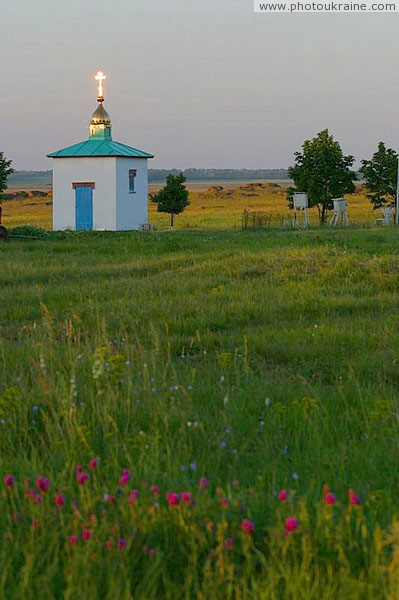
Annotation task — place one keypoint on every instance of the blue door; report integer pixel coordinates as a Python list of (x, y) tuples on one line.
[(84, 207)]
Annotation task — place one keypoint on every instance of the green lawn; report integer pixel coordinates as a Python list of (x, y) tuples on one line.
[(259, 360)]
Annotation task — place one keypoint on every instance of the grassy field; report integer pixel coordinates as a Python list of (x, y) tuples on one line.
[(240, 372), (208, 209)]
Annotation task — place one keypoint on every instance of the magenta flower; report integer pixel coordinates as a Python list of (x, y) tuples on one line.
[(82, 477), (329, 498), (247, 526), (173, 498), (353, 498), (110, 499), (203, 483), (122, 544), (93, 464), (43, 484), (186, 497), (9, 480), (283, 495), (73, 540), (134, 494), (59, 499), (86, 534), (291, 524), (229, 544), (34, 496), (155, 490), (125, 476)]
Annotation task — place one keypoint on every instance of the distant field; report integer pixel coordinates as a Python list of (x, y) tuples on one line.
[(207, 210)]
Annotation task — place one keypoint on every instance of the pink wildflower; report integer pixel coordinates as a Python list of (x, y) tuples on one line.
[(93, 464), (173, 498), (291, 524), (34, 496), (283, 495), (125, 476), (9, 480), (203, 483), (109, 544), (155, 490), (353, 498), (86, 534), (59, 499), (229, 543), (43, 484), (82, 477), (110, 499), (247, 526), (186, 497), (134, 494), (122, 544), (329, 498), (224, 503), (73, 540)]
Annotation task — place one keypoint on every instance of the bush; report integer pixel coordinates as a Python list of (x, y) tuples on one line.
[(29, 231)]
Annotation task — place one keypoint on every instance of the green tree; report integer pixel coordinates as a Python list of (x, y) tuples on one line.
[(323, 172), (5, 170), (174, 197), (380, 174)]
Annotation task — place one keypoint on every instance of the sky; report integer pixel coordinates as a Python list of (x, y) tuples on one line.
[(198, 83)]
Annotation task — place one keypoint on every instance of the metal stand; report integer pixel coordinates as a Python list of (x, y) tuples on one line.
[(301, 211), (301, 218), (340, 213)]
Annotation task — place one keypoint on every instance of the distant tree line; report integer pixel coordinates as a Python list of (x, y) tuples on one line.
[(161, 175)]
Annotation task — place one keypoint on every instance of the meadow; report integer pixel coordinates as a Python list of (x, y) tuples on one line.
[(203, 413), (208, 209)]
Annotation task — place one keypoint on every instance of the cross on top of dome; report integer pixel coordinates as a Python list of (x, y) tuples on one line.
[(100, 77), (100, 124)]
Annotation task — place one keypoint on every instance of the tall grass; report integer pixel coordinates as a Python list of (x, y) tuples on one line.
[(260, 361)]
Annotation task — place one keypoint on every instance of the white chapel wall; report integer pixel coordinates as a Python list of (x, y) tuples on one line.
[(132, 209), (101, 171)]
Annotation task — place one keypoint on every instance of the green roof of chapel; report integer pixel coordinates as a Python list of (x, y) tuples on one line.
[(99, 147)]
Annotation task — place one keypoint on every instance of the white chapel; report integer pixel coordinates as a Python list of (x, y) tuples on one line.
[(100, 184)]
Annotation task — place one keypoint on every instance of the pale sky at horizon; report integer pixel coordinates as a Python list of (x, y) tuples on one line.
[(199, 84)]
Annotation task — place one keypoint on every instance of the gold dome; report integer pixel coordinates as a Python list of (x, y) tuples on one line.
[(100, 116), (100, 124)]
